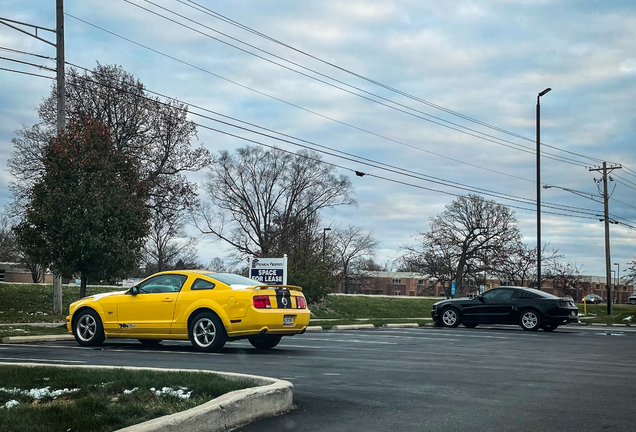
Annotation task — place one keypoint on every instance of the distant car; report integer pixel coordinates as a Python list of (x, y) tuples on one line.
[(530, 308), (593, 299), (205, 307), (632, 299)]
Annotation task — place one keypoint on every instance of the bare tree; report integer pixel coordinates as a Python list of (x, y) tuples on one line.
[(566, 277), (461, 236), (167, 243), (12, 251), (352, 247), (516, 264), (258, 197), (157, 134), (431, 260)]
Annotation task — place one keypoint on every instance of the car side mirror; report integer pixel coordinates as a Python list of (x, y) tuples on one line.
[(481, 299), (134, 290)]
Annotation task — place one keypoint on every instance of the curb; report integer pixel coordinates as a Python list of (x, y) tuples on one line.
[(401, 325), (225, 413), (313, 329), (42, 338), (353, 327)]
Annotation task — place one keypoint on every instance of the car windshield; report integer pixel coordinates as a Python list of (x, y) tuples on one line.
[(234, 280)]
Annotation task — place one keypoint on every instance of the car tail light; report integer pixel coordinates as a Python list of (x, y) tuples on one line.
[(301, 303), (262, 302)]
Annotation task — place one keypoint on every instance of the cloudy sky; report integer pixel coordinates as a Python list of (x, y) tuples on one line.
[(468, 74)]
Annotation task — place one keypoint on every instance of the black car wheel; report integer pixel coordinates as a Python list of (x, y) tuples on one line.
[(530, 320), (549, 327), (450, 317), (88, 329), (207, 333), (265, 342)]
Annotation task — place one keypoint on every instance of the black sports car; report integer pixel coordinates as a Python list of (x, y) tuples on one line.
[(530, 308)]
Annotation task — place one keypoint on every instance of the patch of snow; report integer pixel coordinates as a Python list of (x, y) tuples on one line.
[(130, 391), (11, 403), (181, 394), (40, 393), (628, 319)]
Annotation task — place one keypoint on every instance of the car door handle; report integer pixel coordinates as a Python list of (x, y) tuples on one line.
[(168, 300)]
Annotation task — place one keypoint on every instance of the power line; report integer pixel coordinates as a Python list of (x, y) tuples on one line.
[(27, 63), (437, 121), (453, 126), (26, 73), (27, 53), (217, 15), (370, 162), (286, 102)]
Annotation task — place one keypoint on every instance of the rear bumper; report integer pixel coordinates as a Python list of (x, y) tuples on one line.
[(269, 321), (565, 316)]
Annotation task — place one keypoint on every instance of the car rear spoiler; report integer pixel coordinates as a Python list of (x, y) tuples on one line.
[(287, 287)]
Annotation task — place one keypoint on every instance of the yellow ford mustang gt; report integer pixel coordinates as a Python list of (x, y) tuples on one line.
[(205, 307)]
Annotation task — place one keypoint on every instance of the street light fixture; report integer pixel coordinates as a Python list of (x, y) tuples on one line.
[(539, 187), (604, 200)]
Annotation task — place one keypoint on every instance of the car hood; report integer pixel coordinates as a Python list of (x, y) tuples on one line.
[(97, 297), (462, 300)]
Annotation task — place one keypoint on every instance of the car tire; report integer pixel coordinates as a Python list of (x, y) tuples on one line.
[(530, 320), (265, 342), (207, 333), (470, 325), (549, 327), (450, 317), (88, 328), (150, 342)]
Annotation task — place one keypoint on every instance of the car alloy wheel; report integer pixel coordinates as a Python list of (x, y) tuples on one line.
[(530, 320), (450, 317), (88, 329), (207, 333)]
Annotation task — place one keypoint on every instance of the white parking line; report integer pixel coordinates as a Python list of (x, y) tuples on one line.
[(351, 340), (41, 360)]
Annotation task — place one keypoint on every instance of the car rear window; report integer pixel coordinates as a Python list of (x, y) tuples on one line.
[(234, 280), (201, 284), (539, 294)]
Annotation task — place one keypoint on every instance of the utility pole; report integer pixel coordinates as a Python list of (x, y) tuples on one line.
[(61, 100), (608, 267), (61, 121)]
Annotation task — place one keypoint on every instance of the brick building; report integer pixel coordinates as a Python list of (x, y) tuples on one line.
[(414, 284), (17, 273)]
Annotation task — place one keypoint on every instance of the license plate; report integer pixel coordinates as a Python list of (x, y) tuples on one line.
[(288, 320)]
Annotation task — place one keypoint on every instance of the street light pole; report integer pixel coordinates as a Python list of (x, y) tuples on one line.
[(324, 242), (539, 187), (618, 282)]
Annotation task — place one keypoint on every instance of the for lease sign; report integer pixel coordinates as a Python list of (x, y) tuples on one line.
[(272, 271)]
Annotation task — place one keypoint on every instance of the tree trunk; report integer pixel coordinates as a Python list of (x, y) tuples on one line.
[(57, 295), (83, 285)]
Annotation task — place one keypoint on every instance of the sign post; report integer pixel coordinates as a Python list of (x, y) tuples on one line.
[(272, 271)]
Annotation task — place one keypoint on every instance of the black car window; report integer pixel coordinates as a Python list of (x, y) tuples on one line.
[(526, 295), (162, 284), (201, 284), (498, 294)]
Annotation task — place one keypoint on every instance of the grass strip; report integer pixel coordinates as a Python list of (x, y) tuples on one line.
[(100, 400)]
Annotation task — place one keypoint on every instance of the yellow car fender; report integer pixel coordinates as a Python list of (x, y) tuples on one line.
[(185, 313)]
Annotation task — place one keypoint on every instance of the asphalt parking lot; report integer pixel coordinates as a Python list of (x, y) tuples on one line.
[(497, 378)]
